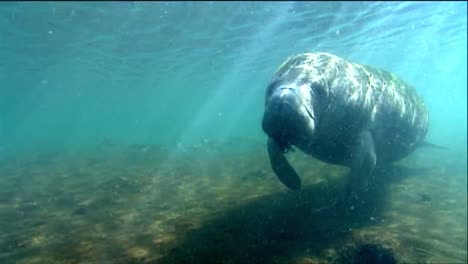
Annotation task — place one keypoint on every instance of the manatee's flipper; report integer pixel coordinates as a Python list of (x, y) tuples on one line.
[(362, 162), (281, 166), (426, 144)]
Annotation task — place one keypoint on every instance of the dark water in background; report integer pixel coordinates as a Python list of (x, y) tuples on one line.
[(160, 78)]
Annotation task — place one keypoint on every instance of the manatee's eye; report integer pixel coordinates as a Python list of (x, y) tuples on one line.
[(271, 87)]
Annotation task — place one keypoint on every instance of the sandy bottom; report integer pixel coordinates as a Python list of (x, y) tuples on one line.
[(221, 203)]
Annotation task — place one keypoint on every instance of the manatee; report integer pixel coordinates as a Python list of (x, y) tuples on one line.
[(343, 113)]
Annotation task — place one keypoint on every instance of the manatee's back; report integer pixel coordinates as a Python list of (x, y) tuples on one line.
[(380, 101), (399, 118)]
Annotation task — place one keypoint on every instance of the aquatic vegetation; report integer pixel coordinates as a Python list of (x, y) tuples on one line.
[(198, 207), (373, 254), (358, 251)]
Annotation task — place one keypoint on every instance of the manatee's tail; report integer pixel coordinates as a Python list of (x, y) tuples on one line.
[(425, 144)]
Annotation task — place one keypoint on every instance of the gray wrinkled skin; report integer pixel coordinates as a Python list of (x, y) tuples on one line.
[(341, 112), (353, 97)]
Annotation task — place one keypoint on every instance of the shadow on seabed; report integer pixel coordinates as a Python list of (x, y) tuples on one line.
[(276, 228)]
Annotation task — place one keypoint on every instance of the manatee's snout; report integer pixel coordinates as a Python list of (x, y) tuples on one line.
[(288, 116)]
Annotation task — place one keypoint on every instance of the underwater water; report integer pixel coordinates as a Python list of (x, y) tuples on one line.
[(130, 132)]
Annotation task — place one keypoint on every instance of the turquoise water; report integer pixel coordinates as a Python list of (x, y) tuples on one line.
[(74, 74), (191, 76)]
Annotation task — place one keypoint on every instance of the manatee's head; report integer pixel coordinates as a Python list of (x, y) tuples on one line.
[(289, 116)]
